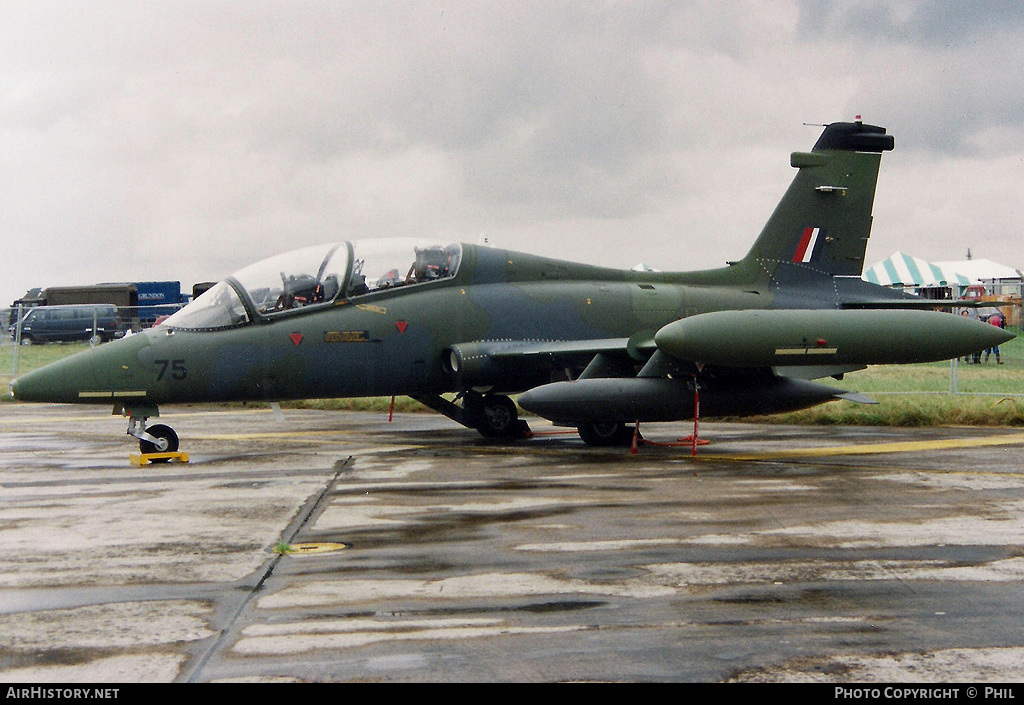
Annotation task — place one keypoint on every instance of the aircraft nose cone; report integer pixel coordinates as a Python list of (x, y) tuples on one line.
[(45, 384), (91, 376)]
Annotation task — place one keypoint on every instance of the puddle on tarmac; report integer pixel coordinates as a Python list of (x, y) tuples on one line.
[(40, 599), (34, 443)]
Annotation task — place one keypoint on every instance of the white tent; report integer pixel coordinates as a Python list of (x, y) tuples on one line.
[(901, 269), (982, 269)]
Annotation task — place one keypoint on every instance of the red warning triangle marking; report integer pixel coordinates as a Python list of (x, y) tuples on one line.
[(296, 338), (401, 326)]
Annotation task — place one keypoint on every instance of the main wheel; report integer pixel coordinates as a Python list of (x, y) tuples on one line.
[(605, 433), (498, 417), (167, 440)]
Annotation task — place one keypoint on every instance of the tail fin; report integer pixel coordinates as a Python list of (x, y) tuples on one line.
[(823, 221)]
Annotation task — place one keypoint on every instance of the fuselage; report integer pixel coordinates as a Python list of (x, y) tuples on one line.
[(356, 324), (391, 340)]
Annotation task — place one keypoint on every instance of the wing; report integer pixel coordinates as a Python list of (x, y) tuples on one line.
[(630, 379), (747, 362), (517, 365)]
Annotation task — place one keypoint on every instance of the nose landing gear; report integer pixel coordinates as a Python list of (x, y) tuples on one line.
[(157, 439), (164, 439)]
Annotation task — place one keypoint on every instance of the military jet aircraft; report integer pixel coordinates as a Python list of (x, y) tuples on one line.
[(595, 348)]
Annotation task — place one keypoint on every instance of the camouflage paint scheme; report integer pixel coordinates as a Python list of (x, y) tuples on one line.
[(587, 346)]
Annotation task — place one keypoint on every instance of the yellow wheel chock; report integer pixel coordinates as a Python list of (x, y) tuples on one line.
[(139, 459)]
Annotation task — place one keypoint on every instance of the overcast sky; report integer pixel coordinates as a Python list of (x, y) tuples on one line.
[(185, 139)]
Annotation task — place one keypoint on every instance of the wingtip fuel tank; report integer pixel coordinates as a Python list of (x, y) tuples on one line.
[(772, 338)]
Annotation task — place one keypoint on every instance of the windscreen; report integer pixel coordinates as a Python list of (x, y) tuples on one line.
[(219, 307)]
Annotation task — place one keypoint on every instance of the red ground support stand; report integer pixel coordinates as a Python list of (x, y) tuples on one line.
[(692, 440)]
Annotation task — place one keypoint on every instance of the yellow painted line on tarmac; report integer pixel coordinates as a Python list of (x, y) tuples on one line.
[(25, 421), (707, 453), (265, 435), (295, 436), (345, 436), (878, 448), (30, 419)]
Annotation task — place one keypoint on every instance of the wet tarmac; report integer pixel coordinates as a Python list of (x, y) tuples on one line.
[(427, 553)]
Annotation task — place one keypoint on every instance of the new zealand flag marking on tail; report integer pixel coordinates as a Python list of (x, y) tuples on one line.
[(805, 249)]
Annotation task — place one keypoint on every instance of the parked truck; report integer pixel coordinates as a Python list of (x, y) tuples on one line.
[(139, 304), (158, 299)]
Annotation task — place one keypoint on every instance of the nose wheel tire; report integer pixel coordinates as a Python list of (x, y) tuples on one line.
[(166, 440)]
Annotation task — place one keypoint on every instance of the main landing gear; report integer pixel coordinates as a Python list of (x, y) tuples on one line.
[(493, 415), (606, 433)]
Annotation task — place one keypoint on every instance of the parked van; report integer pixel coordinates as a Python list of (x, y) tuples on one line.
[(48, 324)]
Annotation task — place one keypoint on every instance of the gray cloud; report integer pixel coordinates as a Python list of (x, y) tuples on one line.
[(930, 23), (173, 140)]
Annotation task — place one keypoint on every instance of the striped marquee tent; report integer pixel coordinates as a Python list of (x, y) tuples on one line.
[(901, 269)]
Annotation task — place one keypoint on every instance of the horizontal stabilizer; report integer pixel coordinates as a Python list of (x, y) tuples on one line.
[(856, 397), (916, 304), (815, 371)]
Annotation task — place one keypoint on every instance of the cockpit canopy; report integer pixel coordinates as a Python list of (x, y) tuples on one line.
[(317, 276)]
